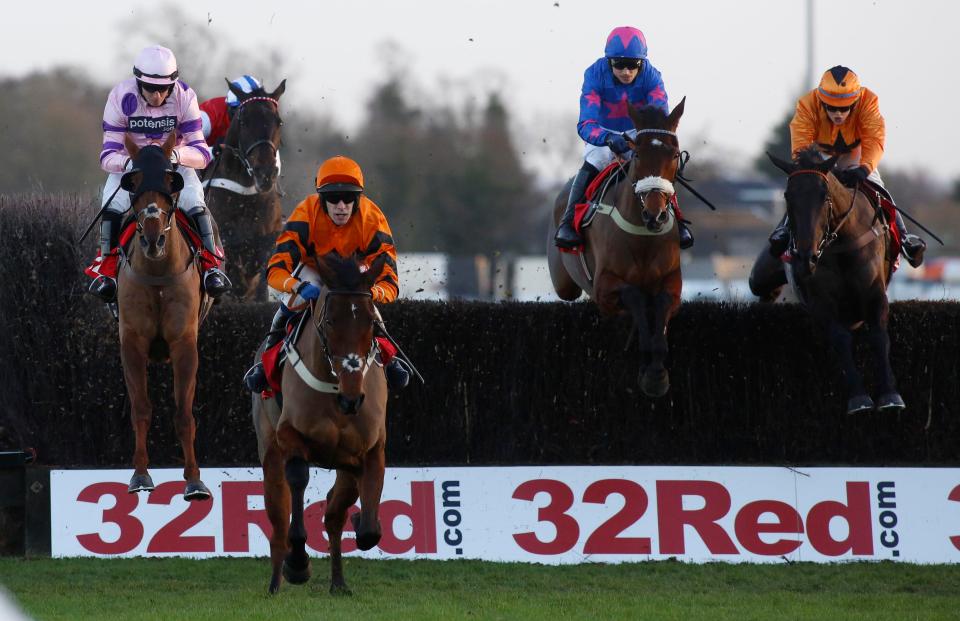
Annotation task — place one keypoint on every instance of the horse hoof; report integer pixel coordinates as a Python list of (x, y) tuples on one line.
[(655, 384), (296, 576), (339, 588), (274, 585), (140, 483), (891, 402), (196, 490), (366, 540), (860, 403)]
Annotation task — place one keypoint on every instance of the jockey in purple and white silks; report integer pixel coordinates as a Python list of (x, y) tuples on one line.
[(147, 107), (623, 77)]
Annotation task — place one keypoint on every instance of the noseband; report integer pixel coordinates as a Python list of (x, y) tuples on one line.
[(153, 212), (645, 186), (351, 363)]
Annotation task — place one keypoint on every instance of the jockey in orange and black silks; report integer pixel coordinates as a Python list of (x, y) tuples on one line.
[(842, 118), (623, 77), (338, 218)]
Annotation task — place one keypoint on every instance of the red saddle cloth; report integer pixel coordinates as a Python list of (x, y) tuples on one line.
[(273, 367), (108, 266)]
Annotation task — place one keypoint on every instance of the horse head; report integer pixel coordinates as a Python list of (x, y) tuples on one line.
[(254, 134), (345, 323), (810, 205), (152, 183), (656, 158)]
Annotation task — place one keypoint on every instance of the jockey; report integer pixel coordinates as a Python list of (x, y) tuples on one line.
[(622, 77), (842, 118), (338, 218), (148, 107)]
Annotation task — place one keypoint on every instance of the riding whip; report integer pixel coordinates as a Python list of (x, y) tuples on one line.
[(100, 213), (925, 229)]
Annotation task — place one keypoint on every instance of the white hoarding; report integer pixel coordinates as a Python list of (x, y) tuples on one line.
[(542, 514)]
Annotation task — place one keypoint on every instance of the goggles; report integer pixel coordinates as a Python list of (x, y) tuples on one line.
[(626, 63), (347, 198)]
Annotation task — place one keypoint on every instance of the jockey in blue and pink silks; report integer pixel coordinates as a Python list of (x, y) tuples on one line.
[(622, 77), (147, 107)]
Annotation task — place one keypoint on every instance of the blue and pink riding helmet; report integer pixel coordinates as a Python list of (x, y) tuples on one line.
[(626, 42), (246, 84)]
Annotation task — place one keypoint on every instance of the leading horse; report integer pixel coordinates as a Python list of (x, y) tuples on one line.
[(159, 303), (241, 186), (840, 267), (631, 260), (333, 414)]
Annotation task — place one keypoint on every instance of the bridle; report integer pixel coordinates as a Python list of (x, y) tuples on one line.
[(242, 153), (153, 212), (833, 232), (643, 187)]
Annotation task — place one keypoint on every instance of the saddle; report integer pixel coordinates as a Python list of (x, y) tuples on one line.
[(886, 209)]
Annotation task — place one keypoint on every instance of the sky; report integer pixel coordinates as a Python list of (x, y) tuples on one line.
[(741, 64)]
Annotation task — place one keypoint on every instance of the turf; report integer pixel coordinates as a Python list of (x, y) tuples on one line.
[(51, 589)]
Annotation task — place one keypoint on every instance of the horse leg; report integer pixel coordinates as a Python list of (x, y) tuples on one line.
[(340, 498), (767, 277), (656, 380), (276, 496), (184, 358), (889, 399), (842, 340), (636, 301), (133, 357), (296, 564), (367, 523)]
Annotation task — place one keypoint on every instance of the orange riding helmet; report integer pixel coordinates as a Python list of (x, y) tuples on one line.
[(839, 87), (339, 174)]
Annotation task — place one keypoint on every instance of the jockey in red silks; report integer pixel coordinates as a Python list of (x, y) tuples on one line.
[(623, 77), (147, 107)]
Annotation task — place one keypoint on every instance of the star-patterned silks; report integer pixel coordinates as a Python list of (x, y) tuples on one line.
[(593, 99), (618, 109), (657, 95)]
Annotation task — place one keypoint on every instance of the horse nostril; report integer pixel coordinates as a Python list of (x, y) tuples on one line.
[(161, 241), (662, 217)]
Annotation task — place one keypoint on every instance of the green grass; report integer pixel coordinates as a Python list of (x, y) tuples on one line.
[(72, 589)]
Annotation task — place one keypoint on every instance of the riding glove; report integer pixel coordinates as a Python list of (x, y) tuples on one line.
[(852, 176), (308, 291), (617, 144)]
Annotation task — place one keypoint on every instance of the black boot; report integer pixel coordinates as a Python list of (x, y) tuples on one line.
[(397, 376), (780, 238), (104, 288), (911, 246), (686, 237), (255, 378), (215, 282), (566, 236)]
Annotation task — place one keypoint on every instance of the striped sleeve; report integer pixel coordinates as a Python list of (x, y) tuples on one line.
[(113, 155), (379, 241), (291, 248), (191, 146)]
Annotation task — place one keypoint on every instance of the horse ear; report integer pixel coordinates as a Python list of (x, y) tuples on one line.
[(233, 89), (280, 89), (130, 180), (828, 165), (132, 149), (634, 115), (786, 167), (372, 275), (327, 273), (167, 145), (175, 180), (674, 118)]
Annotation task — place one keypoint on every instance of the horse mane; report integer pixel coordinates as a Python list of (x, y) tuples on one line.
[(651, 117), (809, 157), (342, 272)]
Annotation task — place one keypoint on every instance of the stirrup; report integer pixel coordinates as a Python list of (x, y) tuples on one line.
[(104, 288), (912, 249), (215, 282), (570, 240), (397, 376), (255, 379)]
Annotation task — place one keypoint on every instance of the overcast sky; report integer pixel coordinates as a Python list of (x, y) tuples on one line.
[(741, 64)]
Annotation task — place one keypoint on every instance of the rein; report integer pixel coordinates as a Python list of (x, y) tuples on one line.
[(833, 232)]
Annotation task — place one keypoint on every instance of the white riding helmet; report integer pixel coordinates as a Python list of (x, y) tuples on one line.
[(245, 83), (156, 65)]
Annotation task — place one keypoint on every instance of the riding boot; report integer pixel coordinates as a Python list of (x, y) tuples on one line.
[(780, 238), (105, 286), (686, 236), (215, 282), (567, 236), (397, 376), (911, 246), (255, 379)]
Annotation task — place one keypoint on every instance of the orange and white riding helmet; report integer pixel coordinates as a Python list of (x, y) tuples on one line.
[(339, 174), (156, 65), (839, 87)]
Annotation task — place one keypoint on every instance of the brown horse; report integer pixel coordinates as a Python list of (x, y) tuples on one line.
[(840, 269), (159, 302), (241, 186), (631, 259), (333, 414)]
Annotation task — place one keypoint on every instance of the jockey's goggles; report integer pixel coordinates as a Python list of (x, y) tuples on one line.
[(154, 88), (347, 198), (626, 63), (837, 108)]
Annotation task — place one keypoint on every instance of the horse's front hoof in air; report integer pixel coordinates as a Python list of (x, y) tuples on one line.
[(196, 490), (859, 403), (655, 384), (140, 483), (891, 402)]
